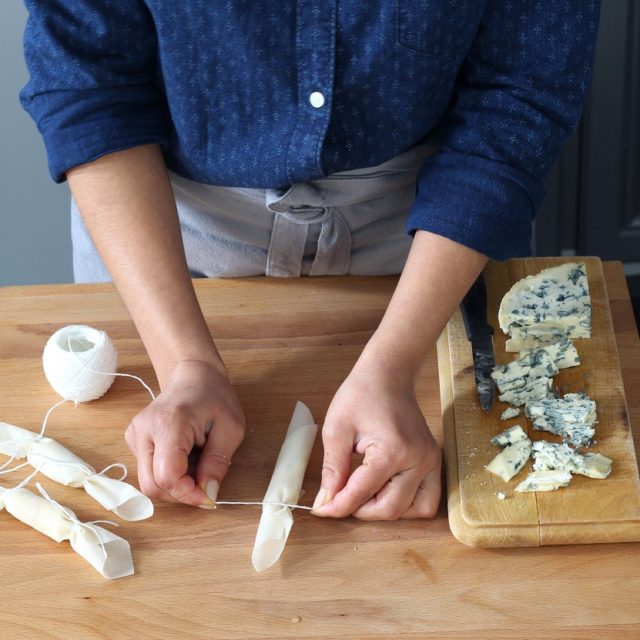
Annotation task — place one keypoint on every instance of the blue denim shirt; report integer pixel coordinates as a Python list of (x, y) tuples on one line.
[(258, 93)]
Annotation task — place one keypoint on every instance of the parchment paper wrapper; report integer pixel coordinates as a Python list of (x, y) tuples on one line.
[(106, 552), (286, 482), (58, 463)]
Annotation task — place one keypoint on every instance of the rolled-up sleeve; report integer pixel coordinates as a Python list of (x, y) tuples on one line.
[(92, 87), (519, 95)]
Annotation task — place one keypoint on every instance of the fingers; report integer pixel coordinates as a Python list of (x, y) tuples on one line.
[(409, 494), (427, 499), (377, 491), (336, 465), (393, 499), (223, 440), (364, 483), (142, 449), (163, 462), (170, 468)]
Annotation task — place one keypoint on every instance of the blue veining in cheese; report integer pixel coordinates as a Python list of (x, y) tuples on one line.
[(521, 372), (563, 353), (536, 389), (549, 456), (509, 436), (556, 300), (510, 460), (572, 417)]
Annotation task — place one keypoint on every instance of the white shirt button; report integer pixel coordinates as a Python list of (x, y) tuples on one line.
[(316, 99)]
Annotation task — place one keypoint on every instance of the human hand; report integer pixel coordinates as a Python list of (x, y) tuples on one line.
[(378, 416), (198, 407)]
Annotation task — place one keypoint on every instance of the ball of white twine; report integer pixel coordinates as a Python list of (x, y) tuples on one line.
[(80, 362)]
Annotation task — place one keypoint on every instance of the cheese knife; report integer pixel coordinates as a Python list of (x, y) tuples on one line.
[(480, 334)]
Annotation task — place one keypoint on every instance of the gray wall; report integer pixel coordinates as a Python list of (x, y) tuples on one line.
[(35, 246)]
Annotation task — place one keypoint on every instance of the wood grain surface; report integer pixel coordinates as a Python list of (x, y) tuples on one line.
[(588, 510), (282, 341)]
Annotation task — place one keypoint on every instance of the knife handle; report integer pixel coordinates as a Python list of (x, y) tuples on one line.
[(474, 310)]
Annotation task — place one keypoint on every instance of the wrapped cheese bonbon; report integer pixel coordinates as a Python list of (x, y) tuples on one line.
[(58, 463), (276, 519), (106, 552)]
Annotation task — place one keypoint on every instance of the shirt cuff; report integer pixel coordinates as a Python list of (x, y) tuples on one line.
[(78, 127), (477, 202)]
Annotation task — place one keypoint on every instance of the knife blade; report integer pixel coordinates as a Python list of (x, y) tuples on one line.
[(480, 334)]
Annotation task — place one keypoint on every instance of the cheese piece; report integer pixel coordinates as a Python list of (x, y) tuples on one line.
[(593, 465), (563, 353), (521, 372), (535, 390), (534, 337), (544, 481), (509, 436), (555, 300), (572, 417), (510, 460), (510, 412), (550, 455)]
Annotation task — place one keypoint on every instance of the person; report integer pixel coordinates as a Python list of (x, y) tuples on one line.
[(295, 138)]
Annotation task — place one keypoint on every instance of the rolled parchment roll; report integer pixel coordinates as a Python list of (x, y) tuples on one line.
[(106, 552), (286, 482), (58, 463)]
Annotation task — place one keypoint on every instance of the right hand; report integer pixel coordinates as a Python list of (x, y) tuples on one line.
[(197, 407)]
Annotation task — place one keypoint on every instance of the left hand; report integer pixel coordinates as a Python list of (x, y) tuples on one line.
[(377, 415)]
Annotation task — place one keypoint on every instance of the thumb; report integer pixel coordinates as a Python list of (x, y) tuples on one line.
[(337, 439), (223, 440)]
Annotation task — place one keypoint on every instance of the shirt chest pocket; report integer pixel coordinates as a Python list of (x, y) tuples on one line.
[(437, 28)]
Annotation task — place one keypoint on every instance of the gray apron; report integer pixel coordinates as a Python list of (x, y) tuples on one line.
[(350, 222)]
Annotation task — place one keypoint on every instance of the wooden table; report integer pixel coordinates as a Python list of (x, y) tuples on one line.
[(282, 341)]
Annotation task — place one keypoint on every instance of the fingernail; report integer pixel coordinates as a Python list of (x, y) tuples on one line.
[(212, 490), (321, 499)]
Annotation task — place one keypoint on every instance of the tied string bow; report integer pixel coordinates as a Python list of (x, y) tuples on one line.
[(86, 469), (77, 465), (71, 517)]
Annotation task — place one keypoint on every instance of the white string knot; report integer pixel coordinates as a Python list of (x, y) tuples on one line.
[(71, 517), (85, 468), (119, 465)]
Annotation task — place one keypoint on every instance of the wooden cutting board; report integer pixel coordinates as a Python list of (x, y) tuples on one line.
[(587, 510)]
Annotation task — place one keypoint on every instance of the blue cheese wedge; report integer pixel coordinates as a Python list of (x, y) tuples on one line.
[(520, 373), (510, 460), (544, 481), (572, 417), (554, 300), (549, 456), (510, 412), (534, 390), (563, 353), (509, 436)]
